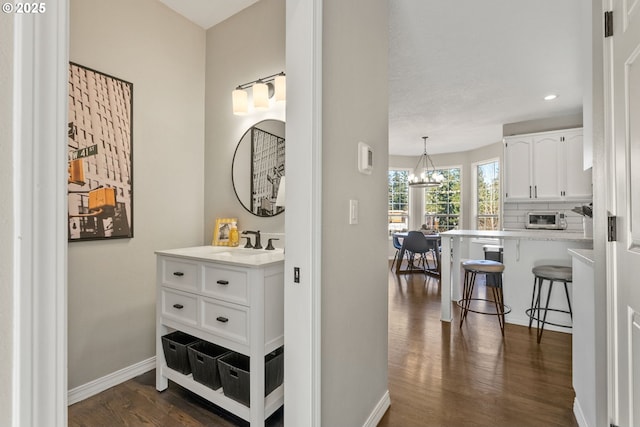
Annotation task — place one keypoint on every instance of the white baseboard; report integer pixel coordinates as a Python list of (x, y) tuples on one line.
[(101, 384), (379, 411), (577, 411)]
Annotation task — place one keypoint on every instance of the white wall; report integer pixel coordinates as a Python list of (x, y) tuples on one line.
[(245, 47), (6, 217), (354, 273), (112, 283)]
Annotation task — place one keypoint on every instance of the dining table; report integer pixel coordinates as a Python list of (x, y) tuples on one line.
[(434, 240)]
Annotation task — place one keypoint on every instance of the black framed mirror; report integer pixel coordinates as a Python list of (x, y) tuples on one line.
[(258, 169)]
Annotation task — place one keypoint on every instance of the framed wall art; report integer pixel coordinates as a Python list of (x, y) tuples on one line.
[(221, 231), (100, 137)]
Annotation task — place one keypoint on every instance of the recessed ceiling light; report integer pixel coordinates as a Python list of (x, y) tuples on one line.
[(550, 97)]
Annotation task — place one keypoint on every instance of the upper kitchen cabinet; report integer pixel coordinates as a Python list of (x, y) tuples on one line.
[(546, 166)]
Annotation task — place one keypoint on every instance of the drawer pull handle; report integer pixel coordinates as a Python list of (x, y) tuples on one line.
[(222, 319), (178, 306), (178, 273), (222, 282)]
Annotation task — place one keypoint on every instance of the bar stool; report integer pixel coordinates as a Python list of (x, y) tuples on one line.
[(552, 273), (481, 266), (494, 253)]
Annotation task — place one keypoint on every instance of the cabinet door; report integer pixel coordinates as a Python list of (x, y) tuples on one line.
[(517, 175), (548, 174), (578, 181)]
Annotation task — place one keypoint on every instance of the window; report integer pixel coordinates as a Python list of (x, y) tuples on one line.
[(488, 195), (398, 201), (442, 204)]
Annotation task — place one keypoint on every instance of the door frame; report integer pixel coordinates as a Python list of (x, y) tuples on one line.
[(39, 319), (303, 216), (41, 54)]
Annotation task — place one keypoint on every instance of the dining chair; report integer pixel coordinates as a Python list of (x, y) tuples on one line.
[(398, 245), (417, 245)]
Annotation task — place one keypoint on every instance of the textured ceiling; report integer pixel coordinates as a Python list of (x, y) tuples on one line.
[(459, 70)]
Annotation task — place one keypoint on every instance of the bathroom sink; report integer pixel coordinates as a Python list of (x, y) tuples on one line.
[(226, 250), (231, 255)]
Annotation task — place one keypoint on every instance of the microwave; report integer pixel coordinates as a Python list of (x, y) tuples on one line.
[(546, 220)]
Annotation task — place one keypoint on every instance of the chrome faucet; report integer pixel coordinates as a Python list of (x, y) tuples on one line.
[(257, 245)]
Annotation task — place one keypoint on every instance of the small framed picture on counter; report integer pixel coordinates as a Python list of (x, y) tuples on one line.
[(222, 231)]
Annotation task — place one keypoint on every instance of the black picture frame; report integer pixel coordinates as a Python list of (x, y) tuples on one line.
[(100, 155)]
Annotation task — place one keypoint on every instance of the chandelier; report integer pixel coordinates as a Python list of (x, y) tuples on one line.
[(425, 176)]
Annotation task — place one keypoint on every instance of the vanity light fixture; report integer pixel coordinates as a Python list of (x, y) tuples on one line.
[(273, 86), (425, 176), (550, 97)]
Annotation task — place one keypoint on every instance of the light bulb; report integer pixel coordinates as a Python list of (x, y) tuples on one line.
[(280, 84), (240, 102), (260, 96)]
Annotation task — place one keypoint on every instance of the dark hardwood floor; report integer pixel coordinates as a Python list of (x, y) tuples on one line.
[(439, 375)]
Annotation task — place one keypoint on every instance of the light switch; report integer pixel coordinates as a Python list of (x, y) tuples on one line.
[(353, 211)]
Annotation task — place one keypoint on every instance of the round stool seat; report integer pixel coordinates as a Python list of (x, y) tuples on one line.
[(553, 272), (483, 266)]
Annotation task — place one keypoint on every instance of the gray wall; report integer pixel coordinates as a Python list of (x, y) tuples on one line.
[(464, 159), (6, 217), (112, 283), (245, 47), (354, 273), (543, 125)]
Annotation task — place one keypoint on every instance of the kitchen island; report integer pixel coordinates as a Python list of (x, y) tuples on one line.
[(523, 250)]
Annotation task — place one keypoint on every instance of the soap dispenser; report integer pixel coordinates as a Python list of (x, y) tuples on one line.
[(234, 237)]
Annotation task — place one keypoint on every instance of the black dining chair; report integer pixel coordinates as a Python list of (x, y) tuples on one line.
[(398, 245), (418, 246)]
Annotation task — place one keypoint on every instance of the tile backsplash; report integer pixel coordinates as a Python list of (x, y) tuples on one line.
[(514, 215)]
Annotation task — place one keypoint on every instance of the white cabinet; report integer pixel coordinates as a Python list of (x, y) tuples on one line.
[(517, 162), (578, 181), (237, 305), (546, 166)]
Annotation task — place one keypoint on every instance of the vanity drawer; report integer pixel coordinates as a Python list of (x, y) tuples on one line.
[(180, 274), (179, 306), (229, 321), (226, 284)]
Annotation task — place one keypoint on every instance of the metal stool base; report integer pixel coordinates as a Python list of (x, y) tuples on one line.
[(498, 299), (539, 313)]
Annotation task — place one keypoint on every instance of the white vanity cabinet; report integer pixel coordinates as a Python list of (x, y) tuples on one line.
[(233, 297), (546, 166)]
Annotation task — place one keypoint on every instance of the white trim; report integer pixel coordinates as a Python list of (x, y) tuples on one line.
[(99, 385), (474, 191), (40, 77), (379, 411), (579, 414), (303, 216), (606, 169)]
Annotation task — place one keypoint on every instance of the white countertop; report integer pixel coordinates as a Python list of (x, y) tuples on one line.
[(584, 255), (228, 255), (557, 235)]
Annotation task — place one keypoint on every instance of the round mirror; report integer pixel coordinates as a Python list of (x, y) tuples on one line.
[(257, 172)]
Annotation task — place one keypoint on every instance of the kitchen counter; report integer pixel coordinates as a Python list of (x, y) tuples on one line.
[(559, 235), (583, 255), (242, 257), (589, 407), (523, 250)]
